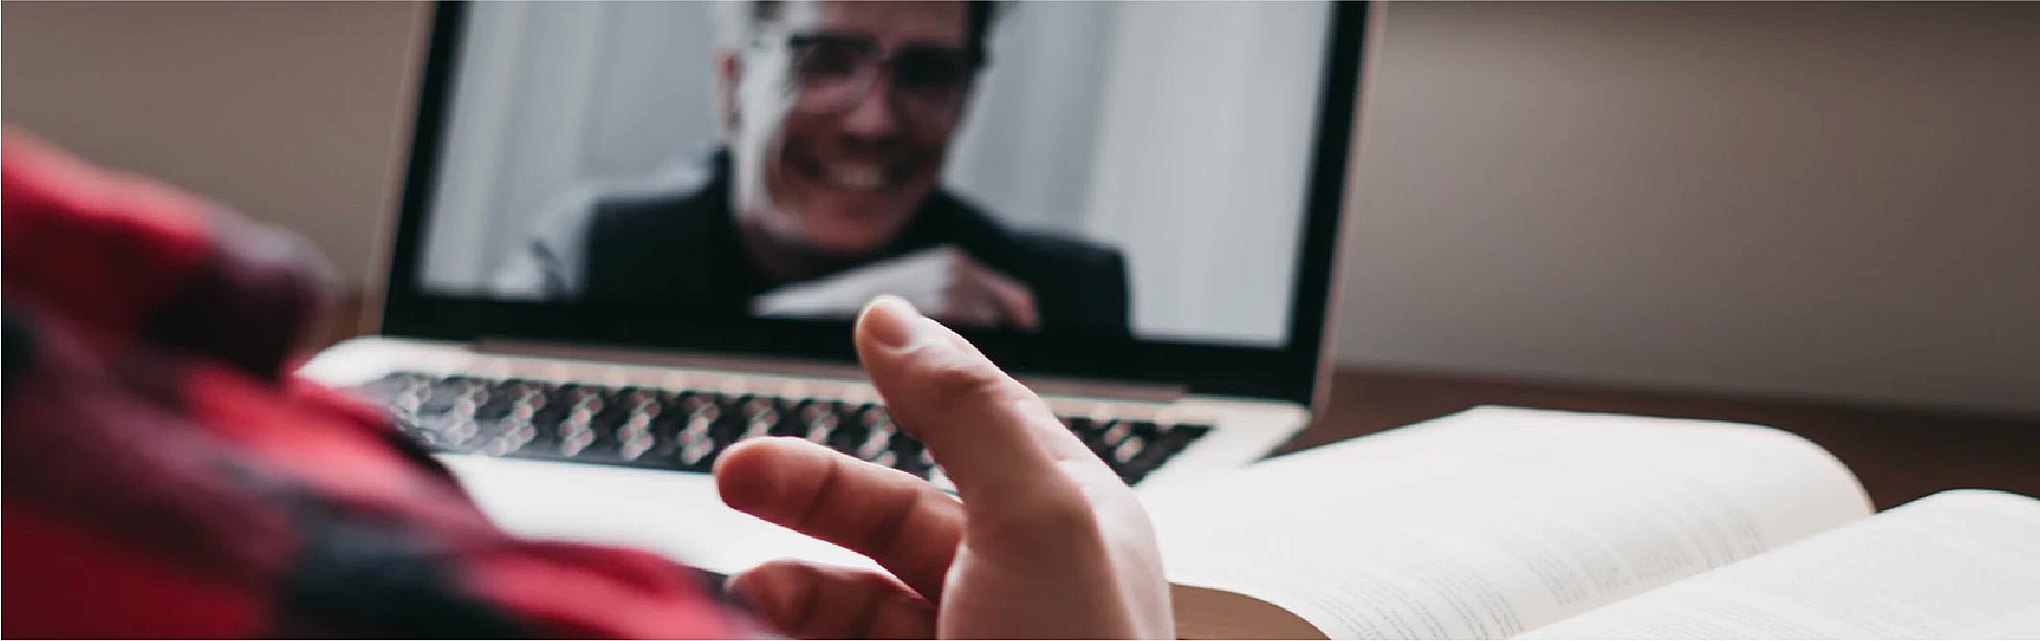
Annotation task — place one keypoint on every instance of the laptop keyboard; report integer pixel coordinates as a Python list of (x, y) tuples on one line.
[(678, 429)]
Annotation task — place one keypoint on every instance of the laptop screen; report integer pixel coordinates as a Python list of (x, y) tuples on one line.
[(1139, 192), (1128, 169)]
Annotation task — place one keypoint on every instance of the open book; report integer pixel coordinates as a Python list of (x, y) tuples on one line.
[(1500, 522)]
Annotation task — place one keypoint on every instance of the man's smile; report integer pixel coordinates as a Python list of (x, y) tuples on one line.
[(857, 176)]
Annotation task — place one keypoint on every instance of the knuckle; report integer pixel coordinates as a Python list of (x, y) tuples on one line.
[(1066, 513), (1056, 519)]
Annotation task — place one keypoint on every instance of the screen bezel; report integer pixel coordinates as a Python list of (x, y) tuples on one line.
[(1288, 372)]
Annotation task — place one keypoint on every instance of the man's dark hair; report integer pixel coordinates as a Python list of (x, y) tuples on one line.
[(978, 16)]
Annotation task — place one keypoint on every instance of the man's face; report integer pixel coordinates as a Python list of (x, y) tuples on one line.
[(832, 156)]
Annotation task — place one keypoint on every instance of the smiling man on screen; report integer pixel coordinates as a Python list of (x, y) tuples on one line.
[(837, 121)]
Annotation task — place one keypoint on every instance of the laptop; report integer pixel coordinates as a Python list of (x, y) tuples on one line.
[(632, 234)]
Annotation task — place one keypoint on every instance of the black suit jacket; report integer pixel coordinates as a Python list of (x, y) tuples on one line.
[(685, 248)]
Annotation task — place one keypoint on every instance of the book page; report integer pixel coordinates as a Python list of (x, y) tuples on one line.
[(1960, 564), (1495, 521)]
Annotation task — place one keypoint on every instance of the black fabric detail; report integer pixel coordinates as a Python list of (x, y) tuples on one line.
[(679, 249), (356, 577), (259, 294), (17, 352)]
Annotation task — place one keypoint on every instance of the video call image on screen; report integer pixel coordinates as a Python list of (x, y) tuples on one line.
[(1066, 168)]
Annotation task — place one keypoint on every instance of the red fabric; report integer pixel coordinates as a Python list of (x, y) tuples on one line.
[(165, 475), (628, 586), (104, 247), (68, 582)]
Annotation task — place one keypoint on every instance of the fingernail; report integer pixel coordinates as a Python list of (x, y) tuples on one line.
[(891, 321)]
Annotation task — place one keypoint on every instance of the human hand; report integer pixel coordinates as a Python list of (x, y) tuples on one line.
[(1046, 541), (944, 280)]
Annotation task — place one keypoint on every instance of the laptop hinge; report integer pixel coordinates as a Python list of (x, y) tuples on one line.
[(1046, 385)]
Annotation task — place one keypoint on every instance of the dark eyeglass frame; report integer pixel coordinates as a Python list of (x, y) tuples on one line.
[(965, 62)]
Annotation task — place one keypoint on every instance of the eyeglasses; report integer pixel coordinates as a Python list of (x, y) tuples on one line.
[(833, 74)]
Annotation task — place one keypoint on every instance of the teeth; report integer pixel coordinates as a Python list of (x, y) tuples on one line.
[(857, 176)]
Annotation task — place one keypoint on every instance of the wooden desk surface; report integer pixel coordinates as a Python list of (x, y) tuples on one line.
[(1899, 454)]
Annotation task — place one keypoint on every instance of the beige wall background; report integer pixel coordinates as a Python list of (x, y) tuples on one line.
[(1829, 199), (1807, 200), (292, 112)]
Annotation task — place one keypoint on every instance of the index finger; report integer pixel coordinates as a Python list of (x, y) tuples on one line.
[(992, 435)]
